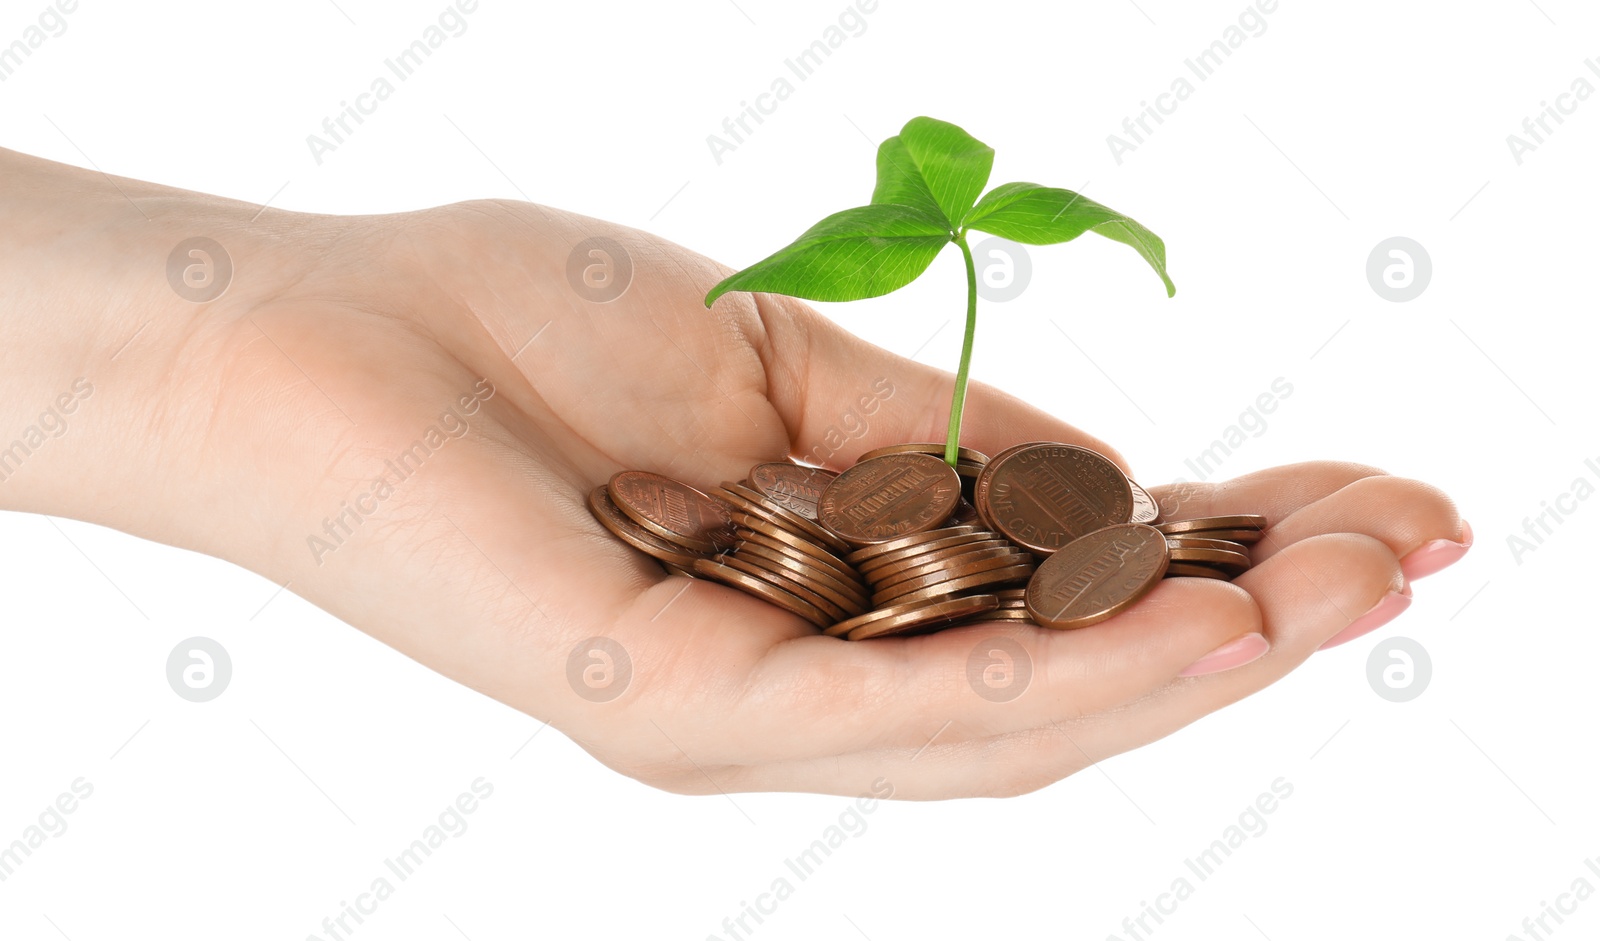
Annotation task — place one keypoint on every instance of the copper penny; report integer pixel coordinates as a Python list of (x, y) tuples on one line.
[(1248, 537), (1234, 563), (764, 590), (988, 581), (813, 576), (951, 563), (794, 487), (865, 555), (963, 455), (672, 510), (788, 537), (1209, 556), (1145, 509), (889, 497), (750, 537), (905, 618), (792, 584), (635, 535), (979, 483), (1195, 541), (1241, 521), (1046, 495), (743, 498), (910, 586), (1097, 576), (1002, 613), (879, 567)]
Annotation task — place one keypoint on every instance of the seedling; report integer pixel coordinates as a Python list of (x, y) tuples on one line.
[(929, 178)]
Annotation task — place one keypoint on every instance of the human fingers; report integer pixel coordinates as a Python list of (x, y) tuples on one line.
[(1417, 521)]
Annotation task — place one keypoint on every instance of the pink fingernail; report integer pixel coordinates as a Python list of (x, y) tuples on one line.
[(1235, 653), (1382, 613), (1432, 556)]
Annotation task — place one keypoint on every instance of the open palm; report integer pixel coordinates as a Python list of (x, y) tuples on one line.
[(483, 562)]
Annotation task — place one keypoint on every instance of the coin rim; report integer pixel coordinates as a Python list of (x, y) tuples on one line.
[(980, 580), (933, 448), (1199, 524), (717, 572), (806, 570), (924, 616), (868, 553)]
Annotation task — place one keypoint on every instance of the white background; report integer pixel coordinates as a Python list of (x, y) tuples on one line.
[(1456, 815)]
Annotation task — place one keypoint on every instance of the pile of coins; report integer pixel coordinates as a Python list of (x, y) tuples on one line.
[(1045, 533), (1214, 547)]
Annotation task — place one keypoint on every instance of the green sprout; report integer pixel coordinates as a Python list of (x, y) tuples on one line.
[(929, 178)]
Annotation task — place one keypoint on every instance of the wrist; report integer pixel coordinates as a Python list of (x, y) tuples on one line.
[(123, 362)]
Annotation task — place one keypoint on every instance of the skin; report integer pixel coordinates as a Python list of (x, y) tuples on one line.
[(236, 427)]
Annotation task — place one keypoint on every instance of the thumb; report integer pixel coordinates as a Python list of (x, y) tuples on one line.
[(840, 396)]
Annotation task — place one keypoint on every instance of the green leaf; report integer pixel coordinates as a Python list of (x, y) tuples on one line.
[(862, 252), (901, 183), (933, 161), (1044, 215)]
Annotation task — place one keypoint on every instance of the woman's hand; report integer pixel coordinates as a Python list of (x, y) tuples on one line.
[(401, 417)]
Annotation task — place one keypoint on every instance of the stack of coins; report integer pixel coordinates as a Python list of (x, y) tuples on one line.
[(668, 520), (1045, 533), (912, 575), (779, 543), (1212, 546)]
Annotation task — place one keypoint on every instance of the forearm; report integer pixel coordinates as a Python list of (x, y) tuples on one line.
[(109, 375)]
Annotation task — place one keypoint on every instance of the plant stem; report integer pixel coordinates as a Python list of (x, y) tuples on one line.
[(958, 399)]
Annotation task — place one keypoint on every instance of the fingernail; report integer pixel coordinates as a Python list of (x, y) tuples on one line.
[(1432, 556), (1235, 653), (1382, 613)]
